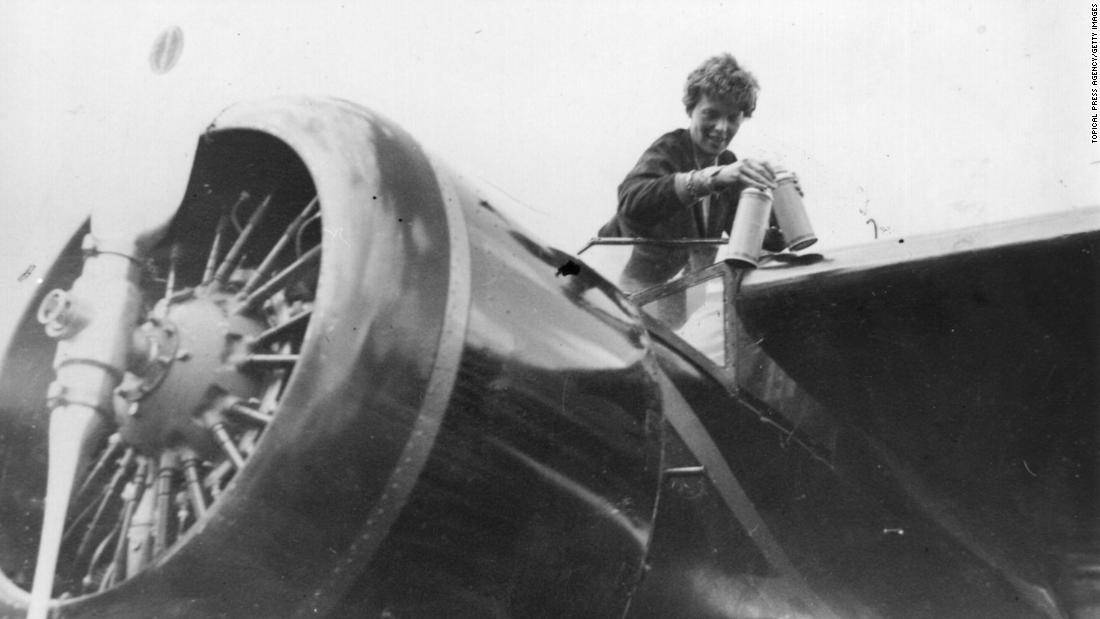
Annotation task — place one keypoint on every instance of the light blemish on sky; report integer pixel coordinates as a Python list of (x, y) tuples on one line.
[(921, 116)]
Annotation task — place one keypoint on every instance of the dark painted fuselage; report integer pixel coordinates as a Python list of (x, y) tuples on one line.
[(478, 425)]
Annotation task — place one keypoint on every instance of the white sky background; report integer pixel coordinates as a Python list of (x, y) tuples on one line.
[(922, 115)]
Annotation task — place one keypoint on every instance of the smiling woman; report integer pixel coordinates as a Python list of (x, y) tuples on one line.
[(686, 185)]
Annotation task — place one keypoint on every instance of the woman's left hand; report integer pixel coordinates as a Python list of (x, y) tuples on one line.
[(752, 172)]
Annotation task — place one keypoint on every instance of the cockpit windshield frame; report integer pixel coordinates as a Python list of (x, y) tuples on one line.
[(729, 271)]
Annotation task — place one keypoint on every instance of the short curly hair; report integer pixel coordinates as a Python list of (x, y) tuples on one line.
[(721, 77)]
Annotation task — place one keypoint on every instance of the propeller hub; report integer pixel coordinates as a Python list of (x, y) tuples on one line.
[(186, 374)]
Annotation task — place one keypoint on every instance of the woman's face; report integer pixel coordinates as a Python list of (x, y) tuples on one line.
[(714, 122)]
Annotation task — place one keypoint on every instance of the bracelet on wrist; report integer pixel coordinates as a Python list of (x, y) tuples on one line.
[(698, 184)]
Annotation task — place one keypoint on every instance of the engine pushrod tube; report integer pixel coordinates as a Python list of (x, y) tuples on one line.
[(116, 486), (134, 492), (166, 473), (685, 471), (298, 321), (216, 247), (113, 447), (225, 441), (248, 413), (268, 262), (281, 279), (233, 255), (268, 360), (193, 480), (89, 577), (173, 267)]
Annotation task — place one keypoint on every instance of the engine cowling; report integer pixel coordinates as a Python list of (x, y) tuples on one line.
[(432, 419)]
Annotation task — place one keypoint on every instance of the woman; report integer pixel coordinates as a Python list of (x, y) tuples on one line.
[(686, 184)]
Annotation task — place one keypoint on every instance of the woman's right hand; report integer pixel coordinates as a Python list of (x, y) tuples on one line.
[(752, 172)]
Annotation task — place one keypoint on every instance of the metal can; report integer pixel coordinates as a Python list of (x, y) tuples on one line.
[(790, 213), (750, 223)]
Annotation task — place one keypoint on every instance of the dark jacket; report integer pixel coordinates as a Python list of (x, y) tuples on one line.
[(650, 208)]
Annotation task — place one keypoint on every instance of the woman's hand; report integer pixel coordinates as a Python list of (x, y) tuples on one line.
[(752, 172)]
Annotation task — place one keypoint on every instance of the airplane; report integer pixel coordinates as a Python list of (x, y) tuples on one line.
[(337, 380)]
